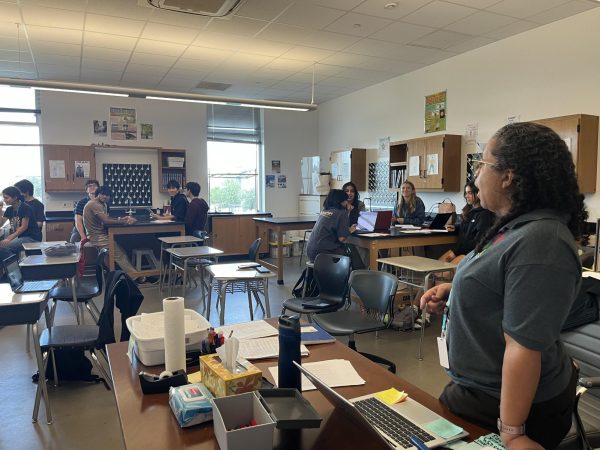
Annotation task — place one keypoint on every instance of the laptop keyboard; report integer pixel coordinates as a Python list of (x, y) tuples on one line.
[(391, 422), (33, 285)]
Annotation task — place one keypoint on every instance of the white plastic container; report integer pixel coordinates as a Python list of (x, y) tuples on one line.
[(148, 332)]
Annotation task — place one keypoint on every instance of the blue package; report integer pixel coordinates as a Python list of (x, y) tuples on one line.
[(191, 404)]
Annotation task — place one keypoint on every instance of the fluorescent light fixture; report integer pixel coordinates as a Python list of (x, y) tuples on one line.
[(101, 89)]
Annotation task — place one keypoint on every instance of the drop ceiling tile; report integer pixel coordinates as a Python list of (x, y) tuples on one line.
[(327, 40), (193, 21), (436, 56), (307, 77), (189, 78), (376, 8), (309, 16), (283, 33), (46, 69), (194, 65), (89, 64), (512, 29), (94, 39), (57, 75), (263, 9), (187, 73), (152, 59), (51, 17), (109, 54), (307, 53), (128, 9), (478, 4), (288, 64), (113, 25), (236, 25), (562, 11), (438, 14), (343, 82), (220, 41), (66, 61), (241, 62), (480, 23), (358, 24), (521, 9), (10, 12), (54, 34), (9, 29), (14, 45), (16, 66), (159, 47), (365, 74), (177, 85), (262, 47), (206, 54), (226, 77), (415, 54), (169, 33), (441, 39), (144, 69), (100, 76), (140, 80), (471, 44), (344, 59), (373, 47), (17, 74), (56, 48), (265, 73), (14, 56), (324, 70), (346, 5), (75, 5), (402, 32)]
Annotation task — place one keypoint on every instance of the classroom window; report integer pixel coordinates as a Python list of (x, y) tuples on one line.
[(20, 150), (234, 153)]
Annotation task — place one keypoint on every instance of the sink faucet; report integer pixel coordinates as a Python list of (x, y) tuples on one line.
[(129, 201)]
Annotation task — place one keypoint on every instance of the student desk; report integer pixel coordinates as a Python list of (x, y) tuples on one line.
[(35, 248), (279, 225), (26, 309), (148, 423), (140, 227), (396, 239)]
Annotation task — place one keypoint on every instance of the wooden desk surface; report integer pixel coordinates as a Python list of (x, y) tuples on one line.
[(148, 423)]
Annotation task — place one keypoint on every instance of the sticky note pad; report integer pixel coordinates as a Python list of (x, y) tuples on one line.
[(391, 396), (195, 377), (443, 428)]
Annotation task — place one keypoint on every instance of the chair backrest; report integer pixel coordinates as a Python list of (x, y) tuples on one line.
[(201, 234), (101, 268), (253, 250), (331, 273), (376, 290)]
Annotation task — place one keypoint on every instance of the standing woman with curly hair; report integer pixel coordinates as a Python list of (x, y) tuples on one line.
[(411, 209), (510, 296)]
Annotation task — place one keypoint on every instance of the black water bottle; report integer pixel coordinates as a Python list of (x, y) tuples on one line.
[(289, 351)]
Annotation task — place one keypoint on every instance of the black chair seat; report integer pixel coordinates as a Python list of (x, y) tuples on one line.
[(75, 336), (85, 291), (347, 322), (589, 411), (295, 305)]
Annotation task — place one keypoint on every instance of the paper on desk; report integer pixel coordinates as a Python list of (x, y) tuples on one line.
[(249, 330), (391, 396), (407, 227), (263, 348), (160, 221), (416, 231), (374, 234), (333, 372)]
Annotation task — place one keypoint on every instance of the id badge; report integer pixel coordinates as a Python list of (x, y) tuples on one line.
[(443, 352)]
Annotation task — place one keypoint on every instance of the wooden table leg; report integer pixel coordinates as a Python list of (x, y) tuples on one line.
[(279, 255), (373, 254)]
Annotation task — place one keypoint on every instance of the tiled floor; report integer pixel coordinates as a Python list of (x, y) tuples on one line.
[(85, 416)]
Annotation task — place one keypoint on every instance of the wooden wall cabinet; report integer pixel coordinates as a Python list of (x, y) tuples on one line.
[(580, 132), (65, 167), (234, 234), (349, 165), (431, 163), (59, 231), (171, 166)]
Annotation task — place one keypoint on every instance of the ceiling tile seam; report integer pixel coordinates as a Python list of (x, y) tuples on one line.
[(474, 7), (26, 33), (133, 50), (269, 22), (85, 14)]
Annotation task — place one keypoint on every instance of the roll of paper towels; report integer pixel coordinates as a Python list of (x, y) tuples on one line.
[(174, 334)]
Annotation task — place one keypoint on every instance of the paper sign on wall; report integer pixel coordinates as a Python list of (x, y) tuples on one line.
[(82, 169), (384, 148), (57, 168), (413, 166), (432, 164)]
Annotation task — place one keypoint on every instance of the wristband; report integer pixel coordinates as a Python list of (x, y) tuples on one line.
[(518, 430)]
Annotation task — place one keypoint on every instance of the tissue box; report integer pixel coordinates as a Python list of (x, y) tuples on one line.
[(191, 404), (221, 382), (148, 334)]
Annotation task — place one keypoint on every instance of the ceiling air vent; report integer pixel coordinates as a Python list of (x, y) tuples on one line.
[(211, 85), (212, 8)]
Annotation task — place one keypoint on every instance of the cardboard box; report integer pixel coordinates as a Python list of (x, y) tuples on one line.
[(221, 382)]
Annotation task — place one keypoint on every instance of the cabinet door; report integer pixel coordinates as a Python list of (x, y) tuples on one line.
[(225, 233), (338, 159), (415, 158), (82, 160), (57, 174), (247, 234), (433, 163), (58, 231)]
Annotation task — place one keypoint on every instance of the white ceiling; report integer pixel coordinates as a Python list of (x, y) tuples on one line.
[(266, 50)]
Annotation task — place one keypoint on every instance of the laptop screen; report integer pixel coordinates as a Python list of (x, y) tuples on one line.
[(366, 221), (13, 271)]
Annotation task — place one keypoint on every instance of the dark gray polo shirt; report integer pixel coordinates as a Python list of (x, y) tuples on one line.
[(331, 225), (523, 284)]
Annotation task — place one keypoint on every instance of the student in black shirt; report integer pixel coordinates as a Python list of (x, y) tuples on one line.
[(179, 203), (197, 209), (23, 227), (26, 188)]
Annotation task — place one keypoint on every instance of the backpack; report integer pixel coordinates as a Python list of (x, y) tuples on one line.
[(71, 364), (403, 319), (306, 279)]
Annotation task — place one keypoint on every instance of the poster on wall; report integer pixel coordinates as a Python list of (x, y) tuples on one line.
[(270, 181), (147, 131), (383, 151), (435, 112), (82, 169), (432, 164), (281, 181), (123, 125), (100, 127), (276, 166), (57, 168)]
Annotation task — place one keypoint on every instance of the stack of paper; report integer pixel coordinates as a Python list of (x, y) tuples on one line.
[(333, 372), (249, 330), (263, 348)]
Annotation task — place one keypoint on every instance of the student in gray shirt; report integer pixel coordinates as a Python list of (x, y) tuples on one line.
[(510, 296)]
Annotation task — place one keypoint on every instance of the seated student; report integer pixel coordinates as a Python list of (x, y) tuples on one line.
[(179, 203), (95, 217), (475, 221), (197, 209), (78, 233), (23, 227), (26, 188), (411, 209), (354, 206)]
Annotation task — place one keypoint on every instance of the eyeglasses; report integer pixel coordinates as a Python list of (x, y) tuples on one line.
[(479, 163)]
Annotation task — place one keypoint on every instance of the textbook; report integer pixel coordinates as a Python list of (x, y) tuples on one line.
[(314, 334)]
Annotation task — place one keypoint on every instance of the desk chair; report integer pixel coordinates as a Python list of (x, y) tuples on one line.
[(376, 291), (331, 273)]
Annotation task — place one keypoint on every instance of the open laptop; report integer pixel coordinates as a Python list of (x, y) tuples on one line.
[(394, 423), (15, 278), (370, 221), (439, 221)]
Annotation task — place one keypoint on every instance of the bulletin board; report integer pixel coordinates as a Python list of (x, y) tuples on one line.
[(129, 180)]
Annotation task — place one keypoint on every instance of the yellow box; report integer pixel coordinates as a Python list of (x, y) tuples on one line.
[(221, 382)]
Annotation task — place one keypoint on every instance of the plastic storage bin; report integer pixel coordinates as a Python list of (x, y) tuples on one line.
[(148, 332)]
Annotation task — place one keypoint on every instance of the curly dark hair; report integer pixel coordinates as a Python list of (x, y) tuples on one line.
[(334, 199), (356, 194), (543, 175)]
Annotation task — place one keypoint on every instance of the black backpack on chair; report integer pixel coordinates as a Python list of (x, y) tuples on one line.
[(306, 280)]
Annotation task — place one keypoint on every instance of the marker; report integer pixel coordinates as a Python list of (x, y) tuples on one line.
[(418, 443)]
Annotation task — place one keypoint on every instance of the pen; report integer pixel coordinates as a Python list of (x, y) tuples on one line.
[(418, 443), (230, 334)]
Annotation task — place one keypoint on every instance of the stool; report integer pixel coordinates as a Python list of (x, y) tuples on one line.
[(138, 259)]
